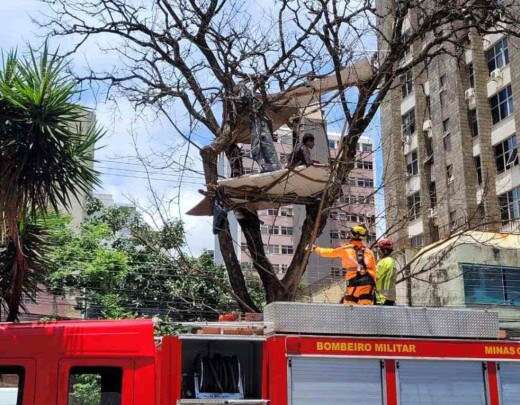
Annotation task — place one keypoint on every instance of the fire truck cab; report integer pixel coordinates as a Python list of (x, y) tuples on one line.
[(301, 354)]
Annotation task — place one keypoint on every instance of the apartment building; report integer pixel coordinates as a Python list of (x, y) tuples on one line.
[(449, 142), (281, 226)]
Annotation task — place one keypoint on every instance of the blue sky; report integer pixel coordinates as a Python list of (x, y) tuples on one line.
[(122, 175)]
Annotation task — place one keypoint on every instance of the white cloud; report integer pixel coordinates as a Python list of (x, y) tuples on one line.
[(125, 181)]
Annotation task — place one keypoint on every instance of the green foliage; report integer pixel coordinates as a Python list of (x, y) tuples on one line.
[(46, 160), (86, 390), (125, 268)]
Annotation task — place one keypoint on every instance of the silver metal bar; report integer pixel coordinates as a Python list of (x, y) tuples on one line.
[(326, 319)]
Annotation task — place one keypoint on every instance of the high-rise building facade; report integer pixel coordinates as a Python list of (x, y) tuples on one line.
[(449, 141), (281, 226)]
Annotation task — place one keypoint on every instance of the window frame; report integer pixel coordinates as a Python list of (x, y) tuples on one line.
[(497, 56), (20, 371), (506, 159), (412, 163), (473, 122), (126, 365), (413, 204), (406, 80), (408, 123), (501, 274), (502, 104), (478, 167), (509, 203)]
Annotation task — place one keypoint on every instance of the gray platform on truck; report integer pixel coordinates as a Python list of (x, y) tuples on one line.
[(326, 319)]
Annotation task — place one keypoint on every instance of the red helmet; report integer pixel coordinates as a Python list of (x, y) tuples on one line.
[(385, 244)]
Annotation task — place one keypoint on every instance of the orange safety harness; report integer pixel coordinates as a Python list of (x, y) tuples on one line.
[(362, 278)]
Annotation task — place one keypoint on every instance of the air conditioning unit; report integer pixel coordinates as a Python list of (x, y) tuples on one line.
[(496, 75), (469, 94), (427, 125)]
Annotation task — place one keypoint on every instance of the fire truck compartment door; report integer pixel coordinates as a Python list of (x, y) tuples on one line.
[(335, 381), (441, 382), (510, 383)]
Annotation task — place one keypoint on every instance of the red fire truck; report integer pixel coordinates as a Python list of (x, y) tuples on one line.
[(279, 362)]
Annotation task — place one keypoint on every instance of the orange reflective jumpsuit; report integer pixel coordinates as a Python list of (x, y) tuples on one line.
[(359, 265)]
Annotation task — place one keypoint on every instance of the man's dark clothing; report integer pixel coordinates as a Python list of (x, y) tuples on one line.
[(300, 156)]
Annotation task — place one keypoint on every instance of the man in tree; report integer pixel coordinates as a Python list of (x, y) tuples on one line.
[(359, 267), (302, 152), (386, 274)]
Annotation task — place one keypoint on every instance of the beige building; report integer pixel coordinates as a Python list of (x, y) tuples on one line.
[(471, 269), (281, 226), (449, 142)]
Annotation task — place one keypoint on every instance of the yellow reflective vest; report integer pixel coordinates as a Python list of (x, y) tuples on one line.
[(385, 280)]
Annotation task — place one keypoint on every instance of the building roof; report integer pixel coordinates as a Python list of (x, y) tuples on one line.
[(491, 239)]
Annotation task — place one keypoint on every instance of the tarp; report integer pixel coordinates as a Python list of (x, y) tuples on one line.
[(300, 181), (289, 103)]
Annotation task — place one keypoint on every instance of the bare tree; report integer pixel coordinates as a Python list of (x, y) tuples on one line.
[(193, 55)]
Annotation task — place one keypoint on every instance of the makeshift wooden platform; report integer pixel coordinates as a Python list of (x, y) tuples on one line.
[(299, 185)]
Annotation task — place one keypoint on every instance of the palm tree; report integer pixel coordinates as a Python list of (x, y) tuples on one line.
[(46, 157)]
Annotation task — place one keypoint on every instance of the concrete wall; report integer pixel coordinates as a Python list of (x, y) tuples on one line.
[(438, 279)]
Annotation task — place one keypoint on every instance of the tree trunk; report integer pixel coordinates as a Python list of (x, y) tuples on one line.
[(18, 272), (250, 225), (236, 277)]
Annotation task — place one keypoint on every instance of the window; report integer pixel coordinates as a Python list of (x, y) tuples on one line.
[(408, 121), (286, 230), (498, 55), (286, 212), (478, 167), (364, 164), (510, 205), (406, 83), (287, 250), (433, 195), (414, 206), (471, 72), (272, 249), (416, 241), (103, 383), (405, 37), (272, 212), (362, 182), (334, 234), (332, 144), (473, 122), (274, 230), (412, 164), (11, 385), (506, 154), (366, 147), (243, 247), (502, 104), (491, 284)]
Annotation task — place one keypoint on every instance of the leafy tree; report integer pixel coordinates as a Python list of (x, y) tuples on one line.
[(124, 268), (46, 154)]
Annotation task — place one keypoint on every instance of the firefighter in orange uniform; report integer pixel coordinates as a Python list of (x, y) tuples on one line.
[(359, 267)]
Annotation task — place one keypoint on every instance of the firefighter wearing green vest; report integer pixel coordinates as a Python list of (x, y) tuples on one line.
[(386, 274)]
